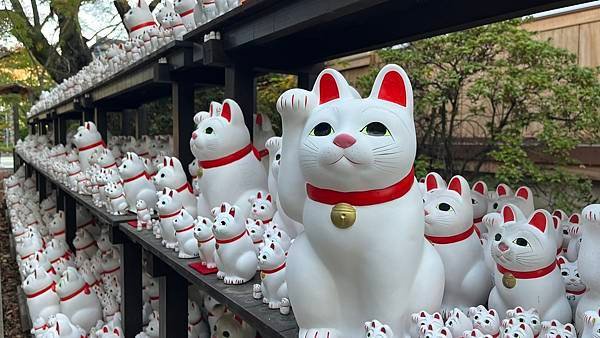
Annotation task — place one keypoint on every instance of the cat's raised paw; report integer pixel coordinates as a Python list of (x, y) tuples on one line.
[(320, 333), (591, 213)]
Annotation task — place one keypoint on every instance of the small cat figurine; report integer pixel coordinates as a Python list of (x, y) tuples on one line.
[(555, 329), (271, 261), (573, 284), (273, 233), (256, 230), (479, 196), (523, 198), (432, 332), (206, 241), (476, 334), (230, 325), (486, 321), (116, 197), (235, 256), (449, 227), (513, 329), (138, 19), (262, 207), (41, 298), (375, 329), (423, 319), (458, 322), (144, 219), (526, 271), (529, 317), (184, 232)]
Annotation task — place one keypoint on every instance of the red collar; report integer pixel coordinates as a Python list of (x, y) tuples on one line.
[(263, 153), (268, 220), (57, 155), (87, 246), (142, 174), (198, 322), (35, 294), (73, 174), (143, 154), (12, 186), (451, 239), (229, 158), (183, 187), (142, 25), (206, 240), (85, 288), (268, 272), (170, 215), (186, 13), (31, 254), (86, 224), (114, 198), (528, 274), (111, 271), (362, 198), (114, 164), (142, 209), (477, 220), (258, 242), (185, 229), (233, 239), (576, 293), (154, 298), (58, 233), (93, 145)]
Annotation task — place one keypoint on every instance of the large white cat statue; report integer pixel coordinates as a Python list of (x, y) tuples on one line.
[(348, 165), (136, 182), (88, 140)]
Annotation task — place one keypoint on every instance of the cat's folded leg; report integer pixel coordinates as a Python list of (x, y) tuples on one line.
[(560, 310), (476, 285)]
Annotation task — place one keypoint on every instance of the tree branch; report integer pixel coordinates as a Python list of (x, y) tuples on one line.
[(36, 14)]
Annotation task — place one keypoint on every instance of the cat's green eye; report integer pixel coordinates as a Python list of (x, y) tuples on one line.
[(321, 129), (445, 207), (521, 241), (208, 130), (376, 129)]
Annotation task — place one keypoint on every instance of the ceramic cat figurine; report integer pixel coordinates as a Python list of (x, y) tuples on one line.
[(484, 320), (587, 263), (271, 261), (526, 271), (197, 327), (57, 225), (169, 206), (77, 300), (136, 183), (61, 326), (222, 145), (144, 218), (449, 227), (263, 130), (523, 198), (555, 329), (262, 207), (431, 332), (206, 241), (184, 232), (172, 175), (185, 9), (575, 288), (235, 256), (375, 329), (87, 140), (273, 233), (230, 325), (479, 195), (512, 329), (84, 241), (256, 230), (42, 301), (139, 19), (116, 197), (458, 322), (423, 319), (529, 317)]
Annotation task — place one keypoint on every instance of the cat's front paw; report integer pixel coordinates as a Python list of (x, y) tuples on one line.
[(234, 280), (492, 220), (591, 213), (273, 144), (220, 275), (320, 333), (295, 105)]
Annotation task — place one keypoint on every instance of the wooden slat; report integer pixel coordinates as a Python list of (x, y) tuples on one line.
[(589, 45), (567, 38), (564, 20)]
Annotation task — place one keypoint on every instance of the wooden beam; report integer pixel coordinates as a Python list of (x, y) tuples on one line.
[(100, 119), (173, 305), (240, 85), (132, 288), (183, 124)]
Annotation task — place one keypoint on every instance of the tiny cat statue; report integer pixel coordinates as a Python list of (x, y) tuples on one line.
[(184, 232), (449, 227), (555, 329), (262, 207), (235, 256), (185, 9), (57, 225), (42, 301), (169, 206), (476, 333), (333, 179), (423, 319), (458, 322), (61, 326), (575, 288), (144, 219), (84, 242), (273, 233), (529, 317), (197, 327), (138, 19), (591, 324), (230, 325), (222, 145), (523, 198), (587, 263), (77, 300), (273, 288), (432, 332), (526, 272), (116, 197), (206, 241), (375, 329), (136, 183), (172, 175), (513, 329), (479, 194), (257, 231), (484, 320), (87, 140)]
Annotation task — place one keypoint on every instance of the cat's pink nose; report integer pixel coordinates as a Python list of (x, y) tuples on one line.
[(503, 247), (194, 135), (344, 140)]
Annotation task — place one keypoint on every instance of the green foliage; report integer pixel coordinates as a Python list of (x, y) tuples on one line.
[(269, 88), (515, 97)]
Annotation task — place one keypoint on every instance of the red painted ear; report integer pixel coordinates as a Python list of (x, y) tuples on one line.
[(393, 89), (171, 163), (455, 185), (269, 198), (539, 221), (164, 162), (501, 190), (164, 191), (87, 126), (422, 314), (259, 119), (553, 323), (328, 89), (556, 213), (519, 309), (232, 212), (238, 318), (569, 327), (222, 207), (437, 316), (523, 193), (383, 330), (479, 187), (473, 334), (258, 195), (430, 182), (272, 245), (372, 324), (522, 326), (444, 332), (555, 221), (492, 312), (560, 260), (422, 180), (430, 327), (116, 331), (226, 112), (574, 219), (508, 214), (171, 193)]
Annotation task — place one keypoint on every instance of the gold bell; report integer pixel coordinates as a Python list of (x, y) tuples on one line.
[(509, 281), (199, 173), (343, 215), (262, 275)]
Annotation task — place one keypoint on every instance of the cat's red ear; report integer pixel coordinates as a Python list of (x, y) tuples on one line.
[(226, 112), (539, 220), (223, 208), (560, 260), (508, 214), (232, 212), (524, 193), (433, 181), (574, 219), (569, 327), (331, 85), (258, 195), (269, 198), (171, 162), (502, 190), (454, 185), (393, 85), (480, 187)]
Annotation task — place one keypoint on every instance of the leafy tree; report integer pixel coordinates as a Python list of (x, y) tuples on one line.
[(515, 98)]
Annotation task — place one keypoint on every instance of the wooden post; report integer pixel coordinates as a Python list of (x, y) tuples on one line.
[(56, 129), (87, 115), (307, 80), (125, 123), (240, 86), (70, 219), (62, 129), (132, 288), (142, 123), (16, 126), (41, 184), (100, 119), (183, 124), (173, 305)]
